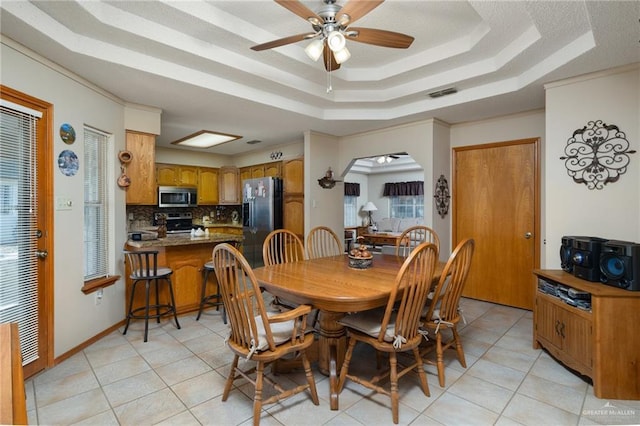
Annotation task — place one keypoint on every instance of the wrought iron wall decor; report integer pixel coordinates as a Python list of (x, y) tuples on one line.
[(276, 155), (442, 196), (597, 154)]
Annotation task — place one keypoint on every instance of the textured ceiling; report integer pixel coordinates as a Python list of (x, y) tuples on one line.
[(192, 59)]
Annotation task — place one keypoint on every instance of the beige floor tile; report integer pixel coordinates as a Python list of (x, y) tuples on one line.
[(450, 409), (550, 369), (109, 355), (166, 354), (235, 410), (74, 409), (200, 388), (51, 392), (478, 333), (150, 409), (372, 411), (610, 411), (184, 369), (529, 411), (121, 369), (497, 374), (106, 418), (567, 398), (132, 388), (482, 393), (510, 358), (207, 342), (75, 364), (183, 419), (343, 419)]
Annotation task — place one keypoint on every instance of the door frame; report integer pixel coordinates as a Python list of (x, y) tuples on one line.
[(537, 213), (45, 220)]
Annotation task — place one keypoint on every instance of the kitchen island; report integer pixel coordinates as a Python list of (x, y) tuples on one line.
[(186, 256)]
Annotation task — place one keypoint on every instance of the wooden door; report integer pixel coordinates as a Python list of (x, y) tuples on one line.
[(496, 202), (26, 267)]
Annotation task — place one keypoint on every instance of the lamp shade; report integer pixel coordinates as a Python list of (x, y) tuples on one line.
[(369, 207), (336, 41), (342, 55), (314, 49)]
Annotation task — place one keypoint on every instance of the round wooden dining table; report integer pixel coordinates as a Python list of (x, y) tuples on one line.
[(332, 286)]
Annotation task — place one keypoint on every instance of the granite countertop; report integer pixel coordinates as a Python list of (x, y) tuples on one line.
[(185, 239), (217, 224)]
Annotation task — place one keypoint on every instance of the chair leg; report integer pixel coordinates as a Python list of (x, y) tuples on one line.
[(147, 284), (257, 397), (345, 364), (459, 349), (173, 302), (310, 379), (232, 374), (129, 313), (157, 302), (440, 359), (393, 378), (420, 370), (203, 292)]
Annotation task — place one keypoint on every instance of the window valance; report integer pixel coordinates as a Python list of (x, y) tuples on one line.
[(352, 189), (396, 189)]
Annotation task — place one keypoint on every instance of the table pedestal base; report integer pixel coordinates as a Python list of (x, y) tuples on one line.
[(332, 345)]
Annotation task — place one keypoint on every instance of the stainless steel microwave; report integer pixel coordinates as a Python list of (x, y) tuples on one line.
[(177, 196)]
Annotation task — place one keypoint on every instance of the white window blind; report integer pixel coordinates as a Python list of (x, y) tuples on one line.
[(18, 225), (350, 210), (96, 241)]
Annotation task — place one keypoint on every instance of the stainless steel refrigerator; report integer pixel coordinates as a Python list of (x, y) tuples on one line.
[(261, 214)]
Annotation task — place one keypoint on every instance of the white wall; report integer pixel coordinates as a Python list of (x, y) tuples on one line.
[(322, 207), (76, 317), (572, 209)]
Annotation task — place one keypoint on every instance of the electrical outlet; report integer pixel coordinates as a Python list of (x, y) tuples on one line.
[(130, 216), (99, 295)]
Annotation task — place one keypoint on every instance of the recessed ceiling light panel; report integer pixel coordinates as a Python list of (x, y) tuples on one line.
[(205, 139)]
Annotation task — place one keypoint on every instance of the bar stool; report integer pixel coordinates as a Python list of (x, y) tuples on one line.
[(144, 268), (212, 299)]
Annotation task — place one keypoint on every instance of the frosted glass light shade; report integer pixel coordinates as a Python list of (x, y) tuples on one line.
[(336, 41), (314, 49), (342, 55)]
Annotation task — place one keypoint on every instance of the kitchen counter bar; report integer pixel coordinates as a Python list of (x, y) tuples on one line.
[(185, 239), (186, 256)]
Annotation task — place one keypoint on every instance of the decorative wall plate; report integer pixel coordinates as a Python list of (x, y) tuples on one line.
[(68, 163), (67, 133), (442, 196), (597, 154)]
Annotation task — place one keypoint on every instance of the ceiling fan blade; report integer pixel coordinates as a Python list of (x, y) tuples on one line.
[(330, 63), (356, 9), (379, 37), (299, 9), (283, 41)]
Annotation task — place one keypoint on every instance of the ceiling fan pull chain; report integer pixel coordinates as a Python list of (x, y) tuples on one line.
[(329, 87)]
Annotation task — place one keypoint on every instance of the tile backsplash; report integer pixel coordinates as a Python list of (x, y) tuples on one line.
[(142, 216)]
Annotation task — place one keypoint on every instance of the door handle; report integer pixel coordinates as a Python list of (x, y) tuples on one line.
[(42, 254), (527, 235)]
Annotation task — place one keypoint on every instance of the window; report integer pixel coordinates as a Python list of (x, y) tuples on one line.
[(350, 210), (407, 206), (96, 237)]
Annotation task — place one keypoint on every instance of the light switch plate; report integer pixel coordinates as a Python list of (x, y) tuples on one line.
[(63, 203)]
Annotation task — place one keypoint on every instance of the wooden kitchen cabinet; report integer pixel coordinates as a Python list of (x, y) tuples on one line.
[(602, 343), (229, 185), (273, 169), (293, 195), (176, 175), (207, 186), (245, 173), (141, 169)]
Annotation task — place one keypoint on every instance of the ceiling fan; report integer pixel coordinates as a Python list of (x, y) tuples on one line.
[(331, 30)]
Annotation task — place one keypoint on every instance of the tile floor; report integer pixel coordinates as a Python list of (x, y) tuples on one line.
[(178, 376)]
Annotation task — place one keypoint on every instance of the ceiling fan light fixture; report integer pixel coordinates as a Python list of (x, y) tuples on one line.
[(336, 41), (342, 55), (314, 49)]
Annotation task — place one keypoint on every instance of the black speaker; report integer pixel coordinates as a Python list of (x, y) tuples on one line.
[(620, 264), (585, 257), (566, 244)]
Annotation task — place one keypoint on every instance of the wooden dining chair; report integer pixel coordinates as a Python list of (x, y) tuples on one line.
[(256, 335), (414, 236), (394, 328), (442, 311), (323, 242), (282, 246)]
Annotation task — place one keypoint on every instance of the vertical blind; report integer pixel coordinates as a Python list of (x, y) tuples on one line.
[(95, 204), (19, 224)]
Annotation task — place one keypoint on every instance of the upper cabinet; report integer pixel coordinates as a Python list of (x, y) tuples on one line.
[(141, 169), (229, 185), (178, 175), (293, 176), (273, 169), (207, 186)]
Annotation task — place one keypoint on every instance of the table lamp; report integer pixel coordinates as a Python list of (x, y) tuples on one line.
[(369, 207)]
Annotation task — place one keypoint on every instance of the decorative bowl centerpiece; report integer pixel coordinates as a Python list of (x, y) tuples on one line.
[(360, 257)]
